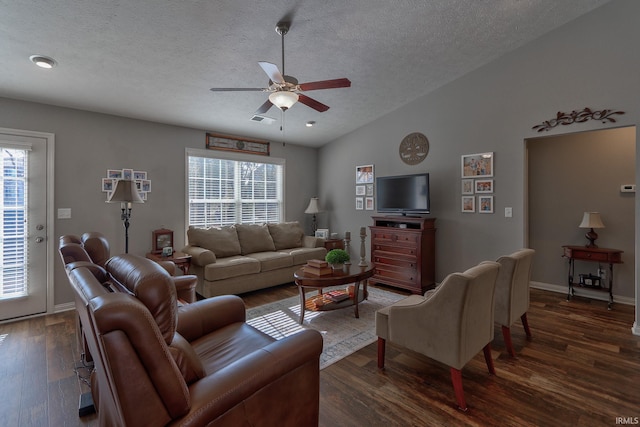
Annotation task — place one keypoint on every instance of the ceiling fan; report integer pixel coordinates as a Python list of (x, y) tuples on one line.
[(285, 91)]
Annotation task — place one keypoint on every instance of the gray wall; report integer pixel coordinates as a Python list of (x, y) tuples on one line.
[(590, 62), (577, 173), (87, 144)]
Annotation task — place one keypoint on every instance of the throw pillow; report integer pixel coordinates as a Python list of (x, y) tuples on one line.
[(254, 238), (286, 235), (222, 241)]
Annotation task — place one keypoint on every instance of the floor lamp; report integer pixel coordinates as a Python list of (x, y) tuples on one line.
[(126, 193)]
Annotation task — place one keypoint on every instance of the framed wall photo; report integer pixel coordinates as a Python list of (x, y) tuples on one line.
[(477, 165), (107, 184), (360, 190), (468, 204), (359, 203), (233, 143), (368, 203), (467, 186), (161, 238), (364, 174), (485, 204), (484, 186), (370, 190)]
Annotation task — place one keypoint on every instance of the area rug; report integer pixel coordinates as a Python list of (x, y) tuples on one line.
[(343, 334)]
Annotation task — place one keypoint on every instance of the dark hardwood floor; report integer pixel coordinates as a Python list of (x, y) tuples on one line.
[(582, 368)]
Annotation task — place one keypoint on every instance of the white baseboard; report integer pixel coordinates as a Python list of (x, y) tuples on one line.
[(599, 295), (59, 308)]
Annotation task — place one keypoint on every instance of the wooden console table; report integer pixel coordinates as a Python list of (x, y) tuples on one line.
[(180, 259), (599, 255)]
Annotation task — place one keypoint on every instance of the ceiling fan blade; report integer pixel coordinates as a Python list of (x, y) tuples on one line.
[(310, 102), (264, 107), (326, 84), (237, 89), (272, 71)]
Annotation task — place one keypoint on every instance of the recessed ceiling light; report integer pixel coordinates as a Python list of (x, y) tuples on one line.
[(43, 61), (310, 123)]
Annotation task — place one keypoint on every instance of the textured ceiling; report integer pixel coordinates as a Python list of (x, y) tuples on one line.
[(157, 59)]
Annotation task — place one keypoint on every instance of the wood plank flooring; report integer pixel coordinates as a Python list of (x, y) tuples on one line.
[(582, 368)]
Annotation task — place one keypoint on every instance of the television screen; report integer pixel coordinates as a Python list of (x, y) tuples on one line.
[(403, 194)]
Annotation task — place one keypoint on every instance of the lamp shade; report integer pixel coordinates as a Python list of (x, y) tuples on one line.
[(125, 191), (313, 206), (591, 220), (283, 99)]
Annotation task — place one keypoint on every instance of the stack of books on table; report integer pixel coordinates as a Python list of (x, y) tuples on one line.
[(317, 267), (337, 296)]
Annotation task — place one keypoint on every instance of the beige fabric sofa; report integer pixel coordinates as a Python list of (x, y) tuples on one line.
[(244, 257)]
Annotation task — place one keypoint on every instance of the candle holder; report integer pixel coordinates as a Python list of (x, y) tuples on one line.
[(347, 245), (363, 251)]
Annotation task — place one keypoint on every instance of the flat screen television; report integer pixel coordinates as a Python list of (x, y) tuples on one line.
[(403, 194)]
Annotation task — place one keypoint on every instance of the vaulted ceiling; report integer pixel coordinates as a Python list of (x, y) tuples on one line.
[(157, 59)]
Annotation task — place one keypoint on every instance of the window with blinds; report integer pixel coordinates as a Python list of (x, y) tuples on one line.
[(13, 242), (225, 191)]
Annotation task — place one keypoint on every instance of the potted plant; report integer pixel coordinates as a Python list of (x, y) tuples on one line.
[(336, 258)]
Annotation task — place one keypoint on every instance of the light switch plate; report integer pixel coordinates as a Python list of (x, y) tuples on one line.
[(508, 212), (64, 213)]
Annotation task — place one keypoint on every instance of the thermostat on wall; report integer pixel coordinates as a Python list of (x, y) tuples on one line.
[(628, 188)]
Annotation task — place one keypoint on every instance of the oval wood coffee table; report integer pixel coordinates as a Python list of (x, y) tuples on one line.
[(350, 274)]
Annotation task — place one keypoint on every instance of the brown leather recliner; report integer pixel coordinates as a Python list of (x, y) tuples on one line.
[(93, 247), (200, 364)]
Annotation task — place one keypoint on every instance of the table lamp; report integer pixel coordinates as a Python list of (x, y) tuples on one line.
[(313, 209), (126, 193), (591, 220)]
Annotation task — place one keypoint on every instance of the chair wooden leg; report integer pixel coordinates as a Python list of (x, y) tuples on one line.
[(381, 350), (506, 333), (488, 358), (525, 323), (456, 379)]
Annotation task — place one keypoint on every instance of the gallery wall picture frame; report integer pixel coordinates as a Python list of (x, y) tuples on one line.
[(370, 190), (108, 184), (468, 204), (359, 203), (368, 203), (478, 165), (364, 174), (360, 190), (467, 186), (484, 186), (485, 204)]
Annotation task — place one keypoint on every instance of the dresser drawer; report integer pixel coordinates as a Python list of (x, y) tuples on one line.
[(588, 255), (389, 250), (395, 238), (406, 275), (380, 257)]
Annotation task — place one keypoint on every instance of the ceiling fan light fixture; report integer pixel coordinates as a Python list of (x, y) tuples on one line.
[(283, 99), (43, 61)]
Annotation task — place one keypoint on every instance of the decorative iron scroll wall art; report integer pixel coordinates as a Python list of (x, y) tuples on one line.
[(577, 117)]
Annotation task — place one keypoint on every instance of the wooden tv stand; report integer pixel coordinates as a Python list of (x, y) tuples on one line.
[(403, 252)]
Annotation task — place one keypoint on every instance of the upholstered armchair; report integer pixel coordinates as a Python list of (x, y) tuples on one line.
[(450, 324), (512, 293)]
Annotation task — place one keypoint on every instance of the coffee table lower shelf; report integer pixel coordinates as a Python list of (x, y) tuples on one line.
[(328, 305)]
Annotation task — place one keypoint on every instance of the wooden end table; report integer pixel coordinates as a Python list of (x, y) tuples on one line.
[(180, 259), (350, 274)]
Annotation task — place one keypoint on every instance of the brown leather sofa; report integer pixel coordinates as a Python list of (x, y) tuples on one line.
[(199, 364)]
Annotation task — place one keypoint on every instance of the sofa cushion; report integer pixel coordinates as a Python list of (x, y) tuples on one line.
[(233, 266), (272, 260), (286, 235), (302, 255), (222, 241), (254, 238)]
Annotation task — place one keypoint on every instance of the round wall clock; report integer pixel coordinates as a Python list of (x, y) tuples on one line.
[(414, 148)]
